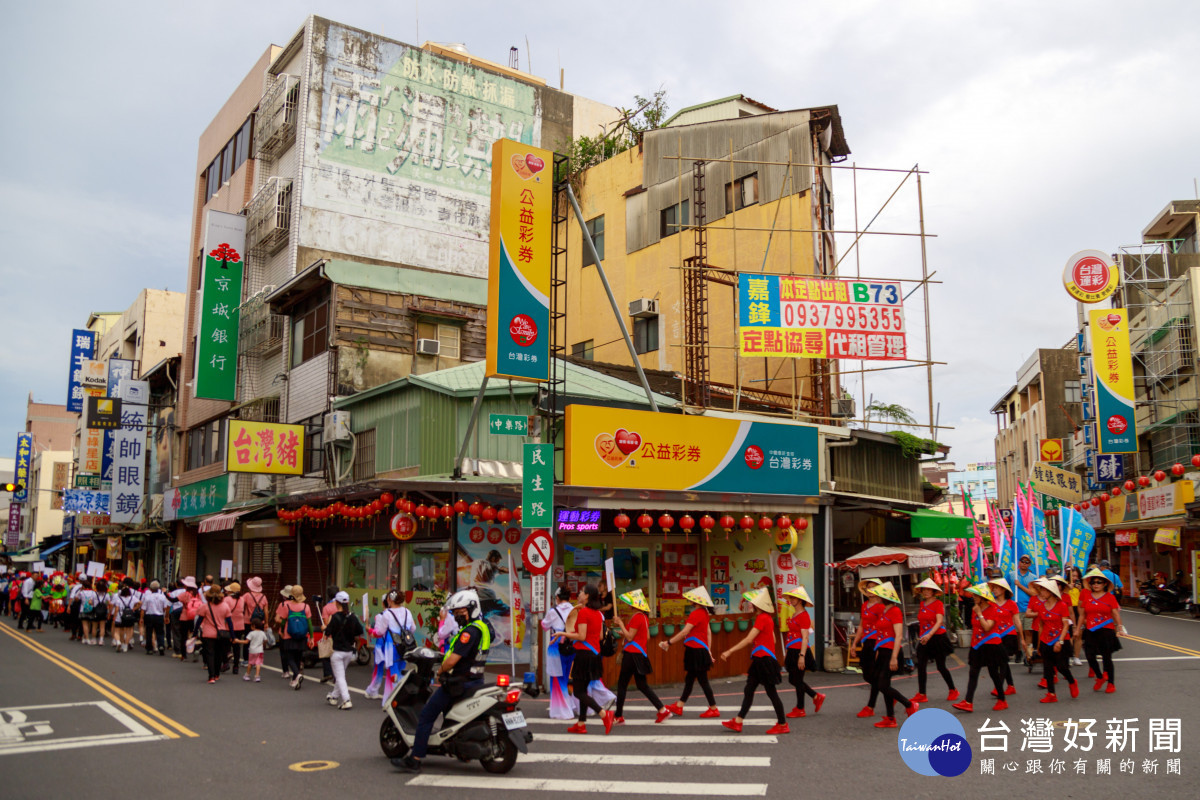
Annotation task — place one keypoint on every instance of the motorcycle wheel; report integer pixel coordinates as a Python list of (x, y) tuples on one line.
[(1154, 608), (363, 656), (390, 741), (499, 766)]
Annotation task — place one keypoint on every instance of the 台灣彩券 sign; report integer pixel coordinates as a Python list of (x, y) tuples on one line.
[(613, 447), (518, 320), (1112, 364), (220, 301), (265, 448), (1066, 486), (796, 317)]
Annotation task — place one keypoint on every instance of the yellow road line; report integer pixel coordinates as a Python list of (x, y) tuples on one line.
[(113, 693), (1163, 645)]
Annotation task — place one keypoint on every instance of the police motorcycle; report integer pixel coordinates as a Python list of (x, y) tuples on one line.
[(484, 724)]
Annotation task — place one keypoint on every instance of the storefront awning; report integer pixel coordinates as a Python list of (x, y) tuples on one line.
[(912, 557), (224, 522), (930, 524), (36, 554)]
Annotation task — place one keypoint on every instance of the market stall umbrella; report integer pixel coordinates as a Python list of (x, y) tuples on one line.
[(930, 524), (915, 559)]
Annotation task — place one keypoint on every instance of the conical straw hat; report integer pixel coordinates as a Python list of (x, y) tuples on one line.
[(1050, 586), (929, 583), (866, 583), (636, 599), (982, 590), (800, 593), (761, 599), (1095, 573), (1002, 583), (699, 596), (887, 591)]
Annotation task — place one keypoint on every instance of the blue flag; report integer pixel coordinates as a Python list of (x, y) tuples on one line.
[(1078, 539)]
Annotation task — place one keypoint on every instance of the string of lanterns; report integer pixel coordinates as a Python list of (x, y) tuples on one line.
[(1131, 486), (431, 513), (707, 524)]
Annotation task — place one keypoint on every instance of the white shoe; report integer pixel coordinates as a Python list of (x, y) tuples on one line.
[(374, 696), (346, 706), (333, 701), (101, 642)]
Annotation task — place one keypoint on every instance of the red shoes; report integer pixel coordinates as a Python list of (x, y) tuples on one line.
[(1075, 689), (950, 698), (964, 706), (578, 727), (676, 709), (818, 701), (662, 714), (920, 698), (1049, 698), (1091, 672), (608, 717), (796, 712), (1042, 683), (867, 711), (708, 713), (1000, 705), (887, 722), (912, 708), (777, 729), (732, 724), (1099, 684), (1110, 689), (621, 721), (1013, 689)]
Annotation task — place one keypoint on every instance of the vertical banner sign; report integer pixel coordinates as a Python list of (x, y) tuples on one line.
[(537, 486), (119, 369), (83, 346), (13, 536), (21, 469), (517, 617), (1109, 331), (518, 327), (129, 466), (220, 299)]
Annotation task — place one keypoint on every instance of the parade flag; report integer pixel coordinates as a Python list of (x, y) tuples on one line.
[(1079, 537), (517, 615), (978, 553)]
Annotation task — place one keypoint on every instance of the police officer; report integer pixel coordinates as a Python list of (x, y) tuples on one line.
[(460, 674)]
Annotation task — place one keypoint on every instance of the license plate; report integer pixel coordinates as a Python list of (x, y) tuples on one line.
[(514, 720)]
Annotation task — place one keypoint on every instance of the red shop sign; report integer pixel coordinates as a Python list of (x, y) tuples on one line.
[(1126, 538)]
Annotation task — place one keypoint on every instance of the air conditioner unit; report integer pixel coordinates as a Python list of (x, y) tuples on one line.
[(643, 307), (428, 347), (843, 407), (337, 426)]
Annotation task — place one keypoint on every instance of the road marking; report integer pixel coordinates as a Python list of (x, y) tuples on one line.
[(684, 739), (646, 761), (134, 733), (1160, 658), (1158, 616), (313, 766), (118, 696), (493, 782), (675, 722), (1164, 645)]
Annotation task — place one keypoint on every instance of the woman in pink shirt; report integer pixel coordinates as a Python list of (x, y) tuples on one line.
[(213, 611), (233, 593)]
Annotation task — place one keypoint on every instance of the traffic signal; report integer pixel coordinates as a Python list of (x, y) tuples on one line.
[(11, 487)]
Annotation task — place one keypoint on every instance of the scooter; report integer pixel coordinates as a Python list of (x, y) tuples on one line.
[(1159, 598), (484, 724)]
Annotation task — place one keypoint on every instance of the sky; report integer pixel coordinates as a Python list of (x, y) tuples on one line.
[(1045, 129)]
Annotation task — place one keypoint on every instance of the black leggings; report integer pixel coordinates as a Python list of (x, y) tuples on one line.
[(215, 651), (628, 670), (692, 678), (580, 690), (1096, 656), (883, 682), (795, 664), (866, 662), (939, 659), (1059, 661), (987, 656), (752, 684)]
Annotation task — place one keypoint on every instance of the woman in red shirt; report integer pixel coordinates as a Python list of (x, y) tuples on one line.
[(986, 650), (1056, 625), (588, 665), (635, 660), (797, 645), (889, 634), (932, 641), (697, 657), (1012, 633), (1101, 627), (764, 665), (864, 640)]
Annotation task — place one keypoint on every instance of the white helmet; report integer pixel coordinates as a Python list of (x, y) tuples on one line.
[(466, 599)]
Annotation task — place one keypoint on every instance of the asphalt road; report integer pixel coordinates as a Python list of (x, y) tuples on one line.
[(73, 716)]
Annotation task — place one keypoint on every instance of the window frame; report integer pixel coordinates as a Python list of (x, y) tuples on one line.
[(736, 191), (670, 227), (308, 339), (645, 334), (597, 239), (585, 350)]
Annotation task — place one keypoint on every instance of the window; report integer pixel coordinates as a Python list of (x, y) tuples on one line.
[(232, 155), (310, 329), (364, 457), (645, 334), (1072, 391), (448, 335), (595, 228), (206, 444), (673, 219), (584, 350), (314, 445), (743, 192), (227, 160)]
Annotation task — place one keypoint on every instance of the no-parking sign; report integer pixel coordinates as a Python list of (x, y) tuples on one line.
[(538, 552)]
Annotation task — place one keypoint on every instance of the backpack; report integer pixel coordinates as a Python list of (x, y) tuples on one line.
[(86, 607), (128, 616), (566, 647), (257, 615), (297, 624), (404, 640)]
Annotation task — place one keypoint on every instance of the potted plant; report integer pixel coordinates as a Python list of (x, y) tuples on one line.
[(954, 623)]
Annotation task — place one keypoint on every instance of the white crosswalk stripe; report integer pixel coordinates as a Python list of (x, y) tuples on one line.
[(665, 738), (673, 722), (498, 782), (623, 760)]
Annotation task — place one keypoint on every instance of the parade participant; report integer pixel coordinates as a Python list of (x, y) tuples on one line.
[(559, 656), (798, 657), (58, 597), (343, 628), (1055, 642), (764, 665), (327, 612), (255, 642), (1020, 579), (447, 627), (154, 609), (100, 613), (697, 654), (635, 660), (89, 606), (74, 624), (284, 660), (38, 601), (393, 619), (932, 642), (126, 608), (296, 619), (1074, 591), (585, 627), (179, 627), (28, 584), (889, 626), (1115, 585), (864, 640), (986, 650), (233, 593), (1101, 628), (1008, 624), (211, 612), (5, 585), (252, 606)]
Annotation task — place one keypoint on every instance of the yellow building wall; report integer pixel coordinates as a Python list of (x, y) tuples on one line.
[(736, 241)]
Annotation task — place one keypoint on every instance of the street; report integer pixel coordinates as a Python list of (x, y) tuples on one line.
[(85, 716)]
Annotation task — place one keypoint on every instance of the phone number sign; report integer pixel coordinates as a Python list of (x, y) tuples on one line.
[(786, 316)]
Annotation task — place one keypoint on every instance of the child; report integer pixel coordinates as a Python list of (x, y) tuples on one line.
[(256, 638)]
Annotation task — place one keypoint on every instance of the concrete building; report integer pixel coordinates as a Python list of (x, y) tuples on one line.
[(49, 474), (52, 426), (150, 330)]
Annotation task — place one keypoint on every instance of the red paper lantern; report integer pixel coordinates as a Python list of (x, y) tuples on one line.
[(1116, 491), (621, 521), (420, 510), (727, 522), (1177, 470), (387, 498), (707, 523), (517, 514), (1130, 486), (460, 506), (644, 522), (802, 524), (765, 523), (488, 514), (746, 522), (1105, 497), (783, 522), (1160, 476), (503, 515), (686, 522), (433, 513), (1143, 480), (1196, 461), (666, 522), (475, 509), (447, 511)]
